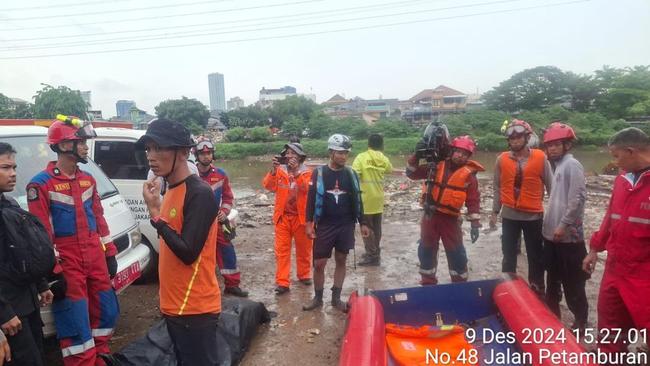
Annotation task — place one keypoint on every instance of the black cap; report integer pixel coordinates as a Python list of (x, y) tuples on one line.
[(166, 133)]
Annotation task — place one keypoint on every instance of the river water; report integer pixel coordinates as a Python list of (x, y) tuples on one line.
[(246, 175)]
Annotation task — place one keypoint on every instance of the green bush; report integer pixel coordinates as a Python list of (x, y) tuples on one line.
[(259, 134), (236, 134)]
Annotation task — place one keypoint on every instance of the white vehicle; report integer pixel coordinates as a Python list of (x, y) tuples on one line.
[(32, 156), (114, 151)]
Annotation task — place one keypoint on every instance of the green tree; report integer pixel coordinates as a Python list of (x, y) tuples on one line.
[(531, 89), (390, 127), (293, 106), (626, 91), (186, 111), (318, 125), (50, 101), (293, 126), (246, 117), (583, 91)]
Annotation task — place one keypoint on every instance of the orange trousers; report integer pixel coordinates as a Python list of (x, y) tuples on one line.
[(287, 229)]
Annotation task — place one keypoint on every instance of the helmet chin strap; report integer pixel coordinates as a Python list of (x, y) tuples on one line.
[(76, 154), (72, 152), (173, 167)]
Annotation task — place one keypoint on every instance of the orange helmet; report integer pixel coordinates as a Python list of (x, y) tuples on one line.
[(464, 142), (559, 131)]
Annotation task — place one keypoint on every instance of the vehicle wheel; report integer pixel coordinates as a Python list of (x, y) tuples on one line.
[(150, 274)]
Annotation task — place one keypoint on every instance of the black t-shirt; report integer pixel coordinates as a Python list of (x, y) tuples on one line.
[(338, 203)]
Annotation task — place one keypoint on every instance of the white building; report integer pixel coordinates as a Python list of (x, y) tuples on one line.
[(268, 96)]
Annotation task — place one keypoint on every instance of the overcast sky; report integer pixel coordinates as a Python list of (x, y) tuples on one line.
[(388, 48)]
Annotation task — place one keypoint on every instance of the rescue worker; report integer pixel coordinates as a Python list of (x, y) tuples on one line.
[(454, 184), (564, 242), (218, 180), (334, 206), (66, 201), (623, 301), (289, 178), (520, 176), (190, 299), (371, 166), (20, 301)]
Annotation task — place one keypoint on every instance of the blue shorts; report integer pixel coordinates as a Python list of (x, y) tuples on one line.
[(333, 236)]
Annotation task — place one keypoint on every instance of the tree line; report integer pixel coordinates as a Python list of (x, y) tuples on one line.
[(595, 104)]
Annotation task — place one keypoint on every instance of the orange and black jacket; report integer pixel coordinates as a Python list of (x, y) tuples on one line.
[(188, 230)]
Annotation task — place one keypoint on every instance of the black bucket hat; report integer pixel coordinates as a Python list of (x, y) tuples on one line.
[(166, 133), (296, 147)]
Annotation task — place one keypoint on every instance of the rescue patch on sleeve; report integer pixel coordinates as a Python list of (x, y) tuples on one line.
[(32, 194)]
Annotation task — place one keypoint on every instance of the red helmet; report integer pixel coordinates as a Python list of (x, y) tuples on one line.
[(203, 144), (465, 143), (60, 131), (559, 131), (518, 126)]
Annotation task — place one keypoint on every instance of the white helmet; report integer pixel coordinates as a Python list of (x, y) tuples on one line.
[(339, 142)]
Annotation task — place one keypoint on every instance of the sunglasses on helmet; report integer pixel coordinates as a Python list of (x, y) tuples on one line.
[(204, 145), (86, 131), (516, 129)]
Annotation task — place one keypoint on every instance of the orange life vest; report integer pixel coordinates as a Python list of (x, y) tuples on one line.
[(531, 193), (409, 345), (449, 197)]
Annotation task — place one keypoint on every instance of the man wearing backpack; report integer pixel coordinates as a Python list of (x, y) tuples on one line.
[(334, 206), (20, 315), (66, 201)]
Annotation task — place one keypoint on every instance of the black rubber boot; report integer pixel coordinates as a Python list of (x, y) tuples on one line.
[(336, 300), (316, 302), (236, 291), (281, 290), (369, 261)]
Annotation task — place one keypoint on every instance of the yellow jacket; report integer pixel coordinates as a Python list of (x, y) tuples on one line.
[(371, 166)]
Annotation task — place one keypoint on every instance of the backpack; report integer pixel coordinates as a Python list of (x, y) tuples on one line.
[(28, 244)]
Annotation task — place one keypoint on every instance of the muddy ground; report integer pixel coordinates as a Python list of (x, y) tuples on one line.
[(289, 339)]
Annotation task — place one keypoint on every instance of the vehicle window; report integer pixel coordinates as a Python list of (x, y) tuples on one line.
[(32, 156), (120, 160)]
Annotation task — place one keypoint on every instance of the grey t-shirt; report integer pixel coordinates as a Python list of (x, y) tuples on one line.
[(566, 204), (512, 213)]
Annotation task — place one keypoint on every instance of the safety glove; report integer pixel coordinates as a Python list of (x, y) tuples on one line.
[(474, 234), (111, 264), (58, 286)]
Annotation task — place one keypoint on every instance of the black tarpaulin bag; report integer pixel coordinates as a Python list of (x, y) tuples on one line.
[(238, 324)]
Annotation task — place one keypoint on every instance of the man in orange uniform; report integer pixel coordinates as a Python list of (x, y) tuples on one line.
[(289, 179), (520, 176), (190, 299)]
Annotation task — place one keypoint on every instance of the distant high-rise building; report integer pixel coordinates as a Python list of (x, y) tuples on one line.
[(235, 103), (123, 107), (217, 92), (85, 95)]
